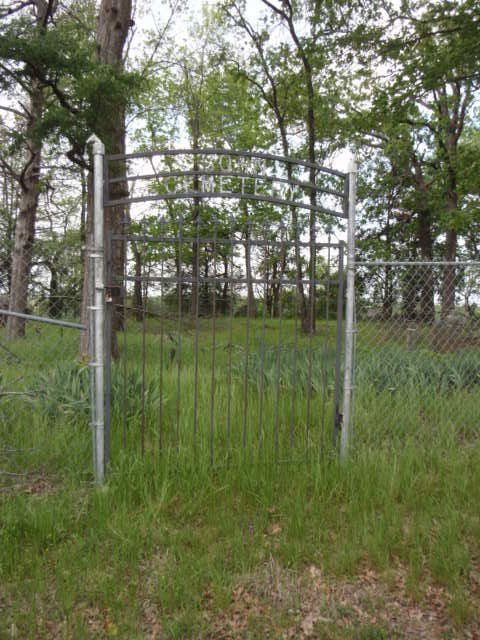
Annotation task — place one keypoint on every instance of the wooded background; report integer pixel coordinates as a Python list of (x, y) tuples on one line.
[(396, 82)]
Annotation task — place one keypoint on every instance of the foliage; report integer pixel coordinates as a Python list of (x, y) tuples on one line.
[(64, 390), (400, 371), (286, 368)]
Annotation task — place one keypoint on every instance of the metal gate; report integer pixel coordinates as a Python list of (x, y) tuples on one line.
[(225, 295)]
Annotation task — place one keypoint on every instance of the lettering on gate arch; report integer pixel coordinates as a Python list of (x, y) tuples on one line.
[(224, 173)]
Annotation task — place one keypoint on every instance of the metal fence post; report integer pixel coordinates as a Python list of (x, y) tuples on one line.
[(97, 315), (349, 311)]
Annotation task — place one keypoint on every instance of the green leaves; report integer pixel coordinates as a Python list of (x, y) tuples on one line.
[(423, 371)]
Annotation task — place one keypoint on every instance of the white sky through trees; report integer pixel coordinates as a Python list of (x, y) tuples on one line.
[(177, 16)]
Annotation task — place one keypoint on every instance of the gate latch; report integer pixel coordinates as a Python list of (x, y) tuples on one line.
[(113, 291)]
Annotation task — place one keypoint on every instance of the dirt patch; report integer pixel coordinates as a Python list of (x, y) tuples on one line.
[(276, 603), (32, 483)]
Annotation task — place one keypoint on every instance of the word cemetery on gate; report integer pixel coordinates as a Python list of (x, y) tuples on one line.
[(190, 173), (226, 174)]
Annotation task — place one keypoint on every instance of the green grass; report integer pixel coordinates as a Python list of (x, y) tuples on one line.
[(270, 393), (176, 547)]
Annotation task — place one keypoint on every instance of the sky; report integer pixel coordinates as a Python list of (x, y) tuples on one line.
[(155, 14)]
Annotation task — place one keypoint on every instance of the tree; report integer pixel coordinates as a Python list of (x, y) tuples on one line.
[(296, 79), (28, 177), (417, 101), (114, 22), (275, 87), (209, 100), (8, 211)]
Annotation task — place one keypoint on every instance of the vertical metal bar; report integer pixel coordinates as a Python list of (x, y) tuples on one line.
[(230, 337), (108, 353), (245, 384), (109, 311), (325, 347), (144, 354), (349, 312), (91, 347), (262, 340), (247, 357), (294, 369), (162, 334), (279, 360), (98, 364), (124, 363), (214, 338), (338, 347), (125, 223), (179, 329), (313, 265), (196, 285)]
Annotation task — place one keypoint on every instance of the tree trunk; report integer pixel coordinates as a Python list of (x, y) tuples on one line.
[(55, 305), (270, 291), (410, 289), (83, 207), (387, 307), (425, 244), (251, 303), (388, 293), (273, 100), (10, 206), (29, 181), (277, 284), (114, 21), (449, 275), (308, 320), (427, 294), (137, 287), (25, 226), (453, 109), (205, 299), (225, 287), (298, 258)]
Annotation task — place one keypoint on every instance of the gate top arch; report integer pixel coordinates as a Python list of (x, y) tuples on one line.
[(176, 174)]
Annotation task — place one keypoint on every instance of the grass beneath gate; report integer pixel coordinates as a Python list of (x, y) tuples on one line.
[(386, 545)]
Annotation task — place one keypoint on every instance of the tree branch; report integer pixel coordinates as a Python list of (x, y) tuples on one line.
[(277, 10), (14, 111), (15, 9), (9, 169)]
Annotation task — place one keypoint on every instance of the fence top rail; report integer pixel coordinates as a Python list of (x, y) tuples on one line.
[(170, 239), (29, 316), (225, 152), (118, 278), (416, 263)]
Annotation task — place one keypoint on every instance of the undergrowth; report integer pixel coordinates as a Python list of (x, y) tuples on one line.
[(171, 541)]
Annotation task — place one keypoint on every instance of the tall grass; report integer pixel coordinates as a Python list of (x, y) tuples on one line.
[(171, 535), (396, 369)]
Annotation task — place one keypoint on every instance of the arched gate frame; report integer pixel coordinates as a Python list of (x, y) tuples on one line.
[(231, 299)]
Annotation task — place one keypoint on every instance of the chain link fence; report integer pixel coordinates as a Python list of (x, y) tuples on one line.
[(44, 382), (417, 364)]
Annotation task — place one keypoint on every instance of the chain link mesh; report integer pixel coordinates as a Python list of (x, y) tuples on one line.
[(41, 373)]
